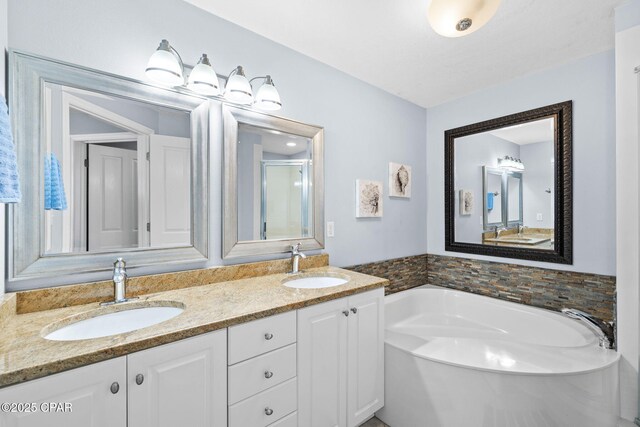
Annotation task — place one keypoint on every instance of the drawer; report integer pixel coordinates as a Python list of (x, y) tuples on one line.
[(277, 401), (261, 336), (290, 420), (260, 373)]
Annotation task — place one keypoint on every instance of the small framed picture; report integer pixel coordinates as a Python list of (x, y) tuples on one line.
[(368, 199), (399, 180), (466, 202)]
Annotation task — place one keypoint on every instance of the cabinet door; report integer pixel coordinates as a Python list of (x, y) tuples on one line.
[(87, 390), (183, 384), (322, 365), (365, 368)]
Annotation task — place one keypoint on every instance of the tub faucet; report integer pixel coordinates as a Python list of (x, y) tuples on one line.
[(603, 330), (119, 283), (295, 258)]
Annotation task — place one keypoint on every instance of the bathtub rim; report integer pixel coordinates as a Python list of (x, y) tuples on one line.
[(392, 297)]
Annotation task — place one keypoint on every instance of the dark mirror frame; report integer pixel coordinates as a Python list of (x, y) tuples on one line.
[(563, 200)]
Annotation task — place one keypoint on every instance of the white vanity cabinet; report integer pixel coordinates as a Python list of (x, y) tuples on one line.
[(179, 384), (341, 361), (97, 394), (262, 372)]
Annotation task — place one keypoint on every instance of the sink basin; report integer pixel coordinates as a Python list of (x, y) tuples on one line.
[(315, 282), (107, 322)]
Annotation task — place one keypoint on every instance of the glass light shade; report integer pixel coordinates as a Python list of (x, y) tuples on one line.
[(510, 164), (203, 78), (267, 97), (238, 88), (457, 18), (164, 66)]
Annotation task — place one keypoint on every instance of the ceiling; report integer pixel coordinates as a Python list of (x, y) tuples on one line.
[(389, 43), (527, 133)]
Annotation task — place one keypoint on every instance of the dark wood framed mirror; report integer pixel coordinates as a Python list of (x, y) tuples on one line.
[(523, 208)]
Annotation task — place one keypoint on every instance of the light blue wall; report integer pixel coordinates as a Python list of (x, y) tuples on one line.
[(365, 127), (590, 83), (627, 15)]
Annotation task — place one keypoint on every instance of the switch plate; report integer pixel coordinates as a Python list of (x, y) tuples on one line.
[(539, 217), (331, 229)]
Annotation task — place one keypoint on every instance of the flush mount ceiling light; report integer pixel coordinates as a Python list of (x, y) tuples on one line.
[(457, 18), (291, 144), (510, 164), (166, 67)]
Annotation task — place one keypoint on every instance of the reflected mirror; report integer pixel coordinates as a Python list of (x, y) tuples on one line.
[(117, 173), (509, 186), (273, 193), (275, 176), (111, 167)]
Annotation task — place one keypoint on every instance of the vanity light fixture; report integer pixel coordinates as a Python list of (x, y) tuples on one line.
[(166, 67), (510, 164), (203, 79), (238, 88), (267, 97), (457, 18)]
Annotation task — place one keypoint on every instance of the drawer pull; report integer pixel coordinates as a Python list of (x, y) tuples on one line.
[(354, 310), (268, 374), (268, 336), (115, 388), (268, 411), (346, 313), (139, 379)]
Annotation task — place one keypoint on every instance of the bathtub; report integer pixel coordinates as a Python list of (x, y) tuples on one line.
[(455, 359)]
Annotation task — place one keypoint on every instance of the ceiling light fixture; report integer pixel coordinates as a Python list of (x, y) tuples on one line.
[(166, 67), (291, 144), (510, 164), (457, 18)]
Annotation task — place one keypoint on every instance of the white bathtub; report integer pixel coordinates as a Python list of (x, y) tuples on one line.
[(454, 359)]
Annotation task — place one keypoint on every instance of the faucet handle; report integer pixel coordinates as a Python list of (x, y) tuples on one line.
[(296, 248), (120, 263)]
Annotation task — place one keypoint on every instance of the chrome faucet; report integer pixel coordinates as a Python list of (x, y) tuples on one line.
[(119, 283), (295, 258), (521, 229), (603, 330), (499, 231)]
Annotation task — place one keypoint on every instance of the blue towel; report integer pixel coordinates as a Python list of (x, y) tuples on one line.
[(9, 179), (489, 201), (54, 196)]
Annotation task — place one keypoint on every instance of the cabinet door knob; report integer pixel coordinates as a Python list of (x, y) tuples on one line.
[(268, 411), (346, 313), (139, 379), (354, 310), (268, 336), (115, 387), (268, 374)]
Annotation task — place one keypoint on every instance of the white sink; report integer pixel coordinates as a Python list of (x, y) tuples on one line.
[(315, 282), (113, 323)]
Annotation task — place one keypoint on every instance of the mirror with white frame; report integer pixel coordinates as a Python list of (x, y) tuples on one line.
[(119, 168), (273, 184), (509, 186)]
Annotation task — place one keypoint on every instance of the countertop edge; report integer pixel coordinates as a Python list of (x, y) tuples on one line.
[(118, 350)]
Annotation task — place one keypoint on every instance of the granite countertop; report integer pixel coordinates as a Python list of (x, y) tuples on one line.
[(26, 355)]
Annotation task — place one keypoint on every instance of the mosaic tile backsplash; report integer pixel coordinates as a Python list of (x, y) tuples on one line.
[(539, 287)]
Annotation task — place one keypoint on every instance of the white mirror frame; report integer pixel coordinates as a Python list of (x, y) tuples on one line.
[(26, 257), (231, 247)]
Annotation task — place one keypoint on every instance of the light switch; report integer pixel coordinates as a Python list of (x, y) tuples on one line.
[(539, 217), (331, 229)]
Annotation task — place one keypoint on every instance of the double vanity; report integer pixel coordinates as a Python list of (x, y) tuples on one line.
[(278, 350)]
